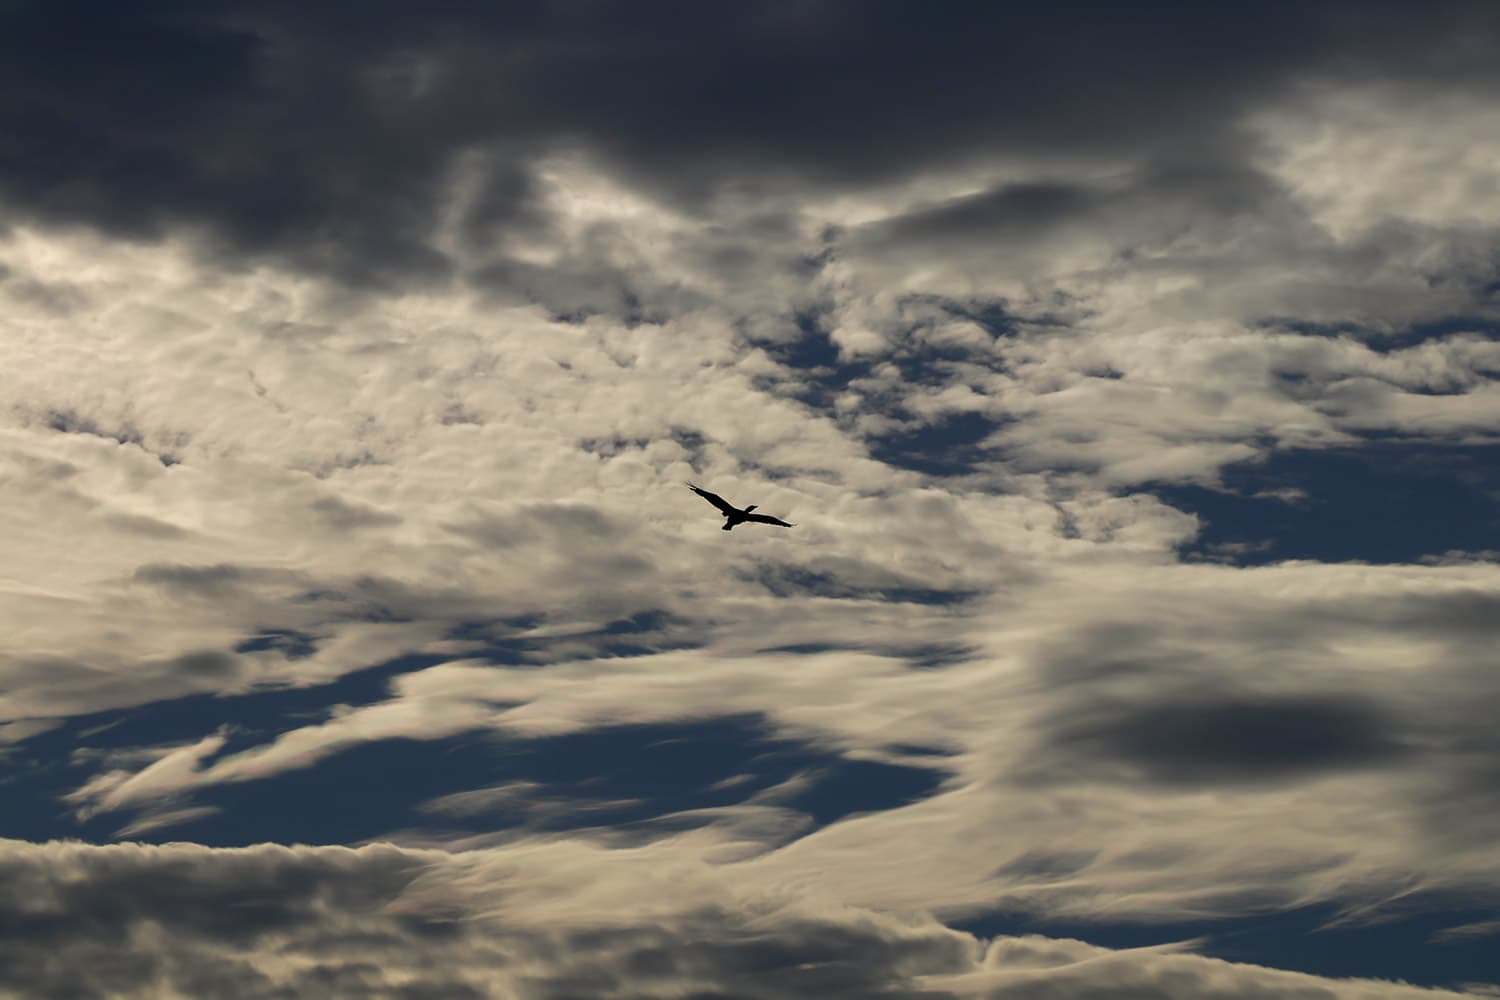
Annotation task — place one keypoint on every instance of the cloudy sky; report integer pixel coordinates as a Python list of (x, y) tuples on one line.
[(1131, 373)]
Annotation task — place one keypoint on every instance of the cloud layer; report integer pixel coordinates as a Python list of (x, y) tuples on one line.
[(182, 920)]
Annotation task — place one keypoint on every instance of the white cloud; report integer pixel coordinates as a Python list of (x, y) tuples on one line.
[(152, 821), (170, 771), (1361, 156)]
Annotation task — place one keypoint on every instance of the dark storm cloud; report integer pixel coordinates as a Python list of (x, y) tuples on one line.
[(328, 133)]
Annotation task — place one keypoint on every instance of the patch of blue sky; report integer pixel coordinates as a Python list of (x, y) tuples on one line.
[(604, 776), (37, 772), (1383, 502), (1428, 948)]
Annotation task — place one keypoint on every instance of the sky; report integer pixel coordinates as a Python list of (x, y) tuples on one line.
[(1131, 374)]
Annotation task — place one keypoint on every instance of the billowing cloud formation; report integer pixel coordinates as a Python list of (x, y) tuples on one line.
[(181, 920), (334, 137)]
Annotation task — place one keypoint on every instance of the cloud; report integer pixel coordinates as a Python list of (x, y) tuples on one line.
[(162, 778), (1033, 967), (1209, 739), (382, 921), (513, 796), (352, 377), (557, 502), (1315, 143), (389, 922), (271, 129), (1247, 727), (151, 822), (1477, 929)]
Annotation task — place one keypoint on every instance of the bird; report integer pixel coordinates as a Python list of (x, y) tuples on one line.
[(732, 514)]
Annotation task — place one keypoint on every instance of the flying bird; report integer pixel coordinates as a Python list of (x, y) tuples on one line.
[(732, 514)]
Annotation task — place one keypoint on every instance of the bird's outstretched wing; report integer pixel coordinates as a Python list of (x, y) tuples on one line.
[(713, 498), (768, 519)]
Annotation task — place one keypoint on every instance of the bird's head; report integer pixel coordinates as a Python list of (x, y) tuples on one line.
[(749, 508)]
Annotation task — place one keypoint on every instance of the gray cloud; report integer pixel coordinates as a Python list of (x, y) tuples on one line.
[(382, 922), (132, 921), (1141, 213), (1212, 738), (332, 137)]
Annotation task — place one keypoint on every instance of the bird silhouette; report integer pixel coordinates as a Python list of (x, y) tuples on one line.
[(732, 514)]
